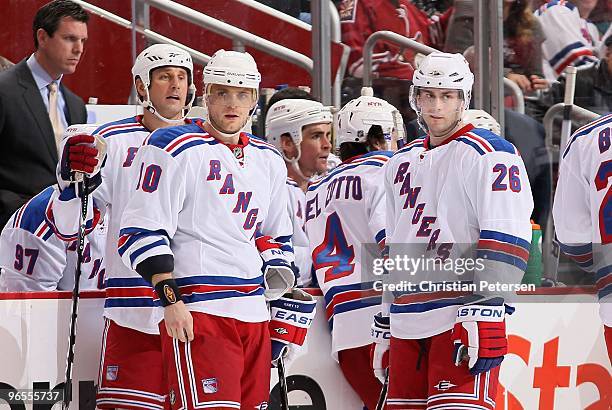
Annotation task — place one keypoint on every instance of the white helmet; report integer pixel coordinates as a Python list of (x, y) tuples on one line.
[(289, 116), (232, 68), (357, 117), (482, 119), (443, 70), (163, 55)]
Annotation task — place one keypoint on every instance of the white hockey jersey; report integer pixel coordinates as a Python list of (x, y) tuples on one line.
[(345, 210), (296, 203), (205, 202), (582, 208), (33, 259), (129, 298), (466, 200), (569, 38)]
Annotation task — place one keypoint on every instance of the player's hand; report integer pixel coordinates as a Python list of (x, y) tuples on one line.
[(379, 353), (290, 319), (82, 153), (179, 322), (479, 335)]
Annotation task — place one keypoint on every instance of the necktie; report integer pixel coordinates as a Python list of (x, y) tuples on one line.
[(58, 130)]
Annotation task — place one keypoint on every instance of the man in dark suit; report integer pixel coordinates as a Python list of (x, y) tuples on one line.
[(35, 108)]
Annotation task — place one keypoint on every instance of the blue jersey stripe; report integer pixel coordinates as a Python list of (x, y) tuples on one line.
[(130, 302), (502, 257), (218, 280), (140, 251), (504, 237), (425, 306)]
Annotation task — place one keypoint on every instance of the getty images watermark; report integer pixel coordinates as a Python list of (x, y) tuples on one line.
[(436, 275)]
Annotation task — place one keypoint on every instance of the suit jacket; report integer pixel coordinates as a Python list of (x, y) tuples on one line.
[(28, 154)]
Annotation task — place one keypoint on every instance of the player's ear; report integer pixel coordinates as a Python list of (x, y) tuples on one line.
[(140, 88), (288, 146)]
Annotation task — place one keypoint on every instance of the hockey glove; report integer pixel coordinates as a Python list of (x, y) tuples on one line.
[(83, 155), (381, 336), (279, 277), (479, 334), (291, 316)]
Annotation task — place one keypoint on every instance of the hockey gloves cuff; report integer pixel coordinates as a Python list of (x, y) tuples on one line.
[(479, 334), (279, 276), (291, 316), (379, 353)]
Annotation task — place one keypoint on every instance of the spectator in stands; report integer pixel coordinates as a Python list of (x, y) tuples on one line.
[(35, 107), (360, 19), (523, 37), (593, 85), (5, 63), (569, 38), (460, 34)]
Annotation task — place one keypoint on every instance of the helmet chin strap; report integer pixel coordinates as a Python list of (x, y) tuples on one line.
[(294, 163), (148, 105)]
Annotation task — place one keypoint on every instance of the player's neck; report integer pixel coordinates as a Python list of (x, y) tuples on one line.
[(298, 177), (435, 140), (151, 122), (224, 138)]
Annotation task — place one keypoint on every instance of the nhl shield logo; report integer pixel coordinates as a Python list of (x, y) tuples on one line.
[(111, 373), (172, 397), (238, 153), (210, 385)]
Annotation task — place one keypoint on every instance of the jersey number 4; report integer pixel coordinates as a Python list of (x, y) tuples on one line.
[(334, 252)]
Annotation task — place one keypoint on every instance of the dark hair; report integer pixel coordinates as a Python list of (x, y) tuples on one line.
[(48, 16), (352, 149), (520, 23)]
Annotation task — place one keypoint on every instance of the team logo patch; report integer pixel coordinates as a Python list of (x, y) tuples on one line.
[(444, 385), (210, 385), (172, 397), (112, 372), (347, 10), (169, 293)]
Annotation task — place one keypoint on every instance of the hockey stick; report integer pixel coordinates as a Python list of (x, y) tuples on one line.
[(282, 383), (382, 399), (566, 131), (75, 293)]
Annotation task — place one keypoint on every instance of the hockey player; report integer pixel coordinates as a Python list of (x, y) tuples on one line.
[(131, 362), (458, 197), (344, 212), (33, 259), (582, 208), (301, 130), (570, 38), (210, 204)]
